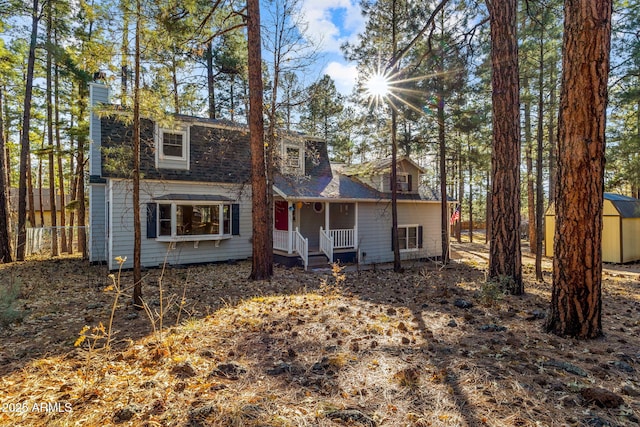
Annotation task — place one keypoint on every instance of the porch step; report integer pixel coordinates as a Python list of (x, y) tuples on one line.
[(318, 260)]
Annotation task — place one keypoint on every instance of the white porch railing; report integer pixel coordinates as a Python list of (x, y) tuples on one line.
[(281, 240), (343, 238), (326, 244), (301, 246)]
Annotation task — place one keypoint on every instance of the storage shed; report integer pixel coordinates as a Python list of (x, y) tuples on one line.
[(620, 229)]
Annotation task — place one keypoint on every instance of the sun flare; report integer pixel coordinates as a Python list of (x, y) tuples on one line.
[(377, 86)]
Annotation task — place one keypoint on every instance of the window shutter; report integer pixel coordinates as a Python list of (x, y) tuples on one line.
[(409, 183), (419, 235), (152, 220), (235, 219)]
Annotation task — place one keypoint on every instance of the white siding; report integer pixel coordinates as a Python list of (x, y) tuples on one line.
[(97, 223), (153, 251), (374, 229)]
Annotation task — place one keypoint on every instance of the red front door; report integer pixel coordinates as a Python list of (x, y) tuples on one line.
[(281, 215)]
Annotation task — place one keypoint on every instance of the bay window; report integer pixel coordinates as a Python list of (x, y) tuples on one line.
[(180, 221)]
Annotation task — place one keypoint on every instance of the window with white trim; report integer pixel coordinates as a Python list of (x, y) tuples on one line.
[(173, 144), (408, 237), (402, 180), (179, 220), (292, 159), (172, 147)]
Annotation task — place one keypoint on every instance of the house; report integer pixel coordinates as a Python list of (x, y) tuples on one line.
[(344, 213), (196, 198), (195, 194), (41, 201), (620, 229)]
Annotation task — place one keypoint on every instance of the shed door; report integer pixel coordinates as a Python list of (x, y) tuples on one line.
[(611, 239)]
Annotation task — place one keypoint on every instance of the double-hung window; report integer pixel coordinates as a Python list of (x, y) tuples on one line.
[(172, 147), (403, 181), (409, 238), (293, 159), (173, 144)]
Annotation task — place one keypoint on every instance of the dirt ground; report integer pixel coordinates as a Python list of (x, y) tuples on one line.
[(431, 346)]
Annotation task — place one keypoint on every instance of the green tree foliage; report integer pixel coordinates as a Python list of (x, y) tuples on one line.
[(623, 151), (322, 111)]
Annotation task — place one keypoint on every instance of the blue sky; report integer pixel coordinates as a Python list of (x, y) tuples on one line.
[(330, 24)]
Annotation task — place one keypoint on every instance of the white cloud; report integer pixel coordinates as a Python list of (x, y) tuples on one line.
[(344, 76), (332, 22)]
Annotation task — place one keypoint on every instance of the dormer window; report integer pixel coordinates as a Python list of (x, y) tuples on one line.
[(403, 182), (172, 147), (293, 159), (173, 144)]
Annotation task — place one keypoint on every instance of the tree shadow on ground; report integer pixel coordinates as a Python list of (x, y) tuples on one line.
[(378, 343)]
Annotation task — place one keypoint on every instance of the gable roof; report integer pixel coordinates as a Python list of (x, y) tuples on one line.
[(46, 201), (628, 207), (374, 167), (335, 185)]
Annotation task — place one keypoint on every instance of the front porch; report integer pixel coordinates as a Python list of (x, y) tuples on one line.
[(304, 231)]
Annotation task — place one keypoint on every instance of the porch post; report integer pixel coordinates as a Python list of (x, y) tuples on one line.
[(326, 216), (355, 228), (290, 205)]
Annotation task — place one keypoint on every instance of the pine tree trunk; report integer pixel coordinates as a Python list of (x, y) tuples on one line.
[(40, 197), (460, 193), (63, 211), (262, 262), (52, 171), (211, 98), (137, 234), (30, 196), (83, 95), (124, 52), (174, 81), (397, 264), (505, 253), (470, 191), (444, 206), (539, 153), (5, 217), (552, 135), (24, 143), (73, 193), (576, 300), (531, 208), (487, 219)]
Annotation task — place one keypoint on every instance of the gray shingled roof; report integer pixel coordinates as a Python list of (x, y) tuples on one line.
[(196, 197), (324, 187), (218, 154), (374, 167), (334, 185), (46, 201), (628, 207)]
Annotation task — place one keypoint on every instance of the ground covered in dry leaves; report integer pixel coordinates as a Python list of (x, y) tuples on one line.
[(428, 347)]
